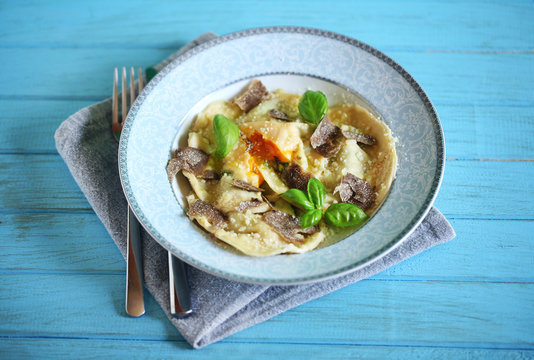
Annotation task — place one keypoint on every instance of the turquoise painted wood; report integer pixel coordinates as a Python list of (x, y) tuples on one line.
[(508, 314), (470, 130), (54, 190), (418, 25), (62, 278), (98, 348), (85, 247), (91, 69)]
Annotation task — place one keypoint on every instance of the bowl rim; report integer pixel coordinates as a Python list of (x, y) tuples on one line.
[(379, 253)]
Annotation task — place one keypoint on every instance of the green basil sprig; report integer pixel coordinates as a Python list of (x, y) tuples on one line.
[(313, 106), (226, 134), (342, 214), (310, 218), (299, 198), (316, 193)]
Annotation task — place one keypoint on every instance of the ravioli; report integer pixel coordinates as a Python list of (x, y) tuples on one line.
[(246, 184)]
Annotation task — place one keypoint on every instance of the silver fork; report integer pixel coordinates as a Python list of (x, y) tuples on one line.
[(179, 297), (135, 304)]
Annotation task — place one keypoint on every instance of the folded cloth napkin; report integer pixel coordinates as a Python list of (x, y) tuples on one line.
[(221, 307)]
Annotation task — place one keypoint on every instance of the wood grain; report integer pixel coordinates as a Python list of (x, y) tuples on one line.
[(471, 131), (62, 278), (54, 348), (57, 242), (29, 125), (498, 132), (369, 313), (437, 25), (472, 78), (69, 243), (54, 189), (38, 182)]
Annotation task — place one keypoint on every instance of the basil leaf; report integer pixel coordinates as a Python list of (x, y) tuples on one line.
[(298, 197), (226, 134), (310, 218), (313, 106), (316, 193), (344, 214)]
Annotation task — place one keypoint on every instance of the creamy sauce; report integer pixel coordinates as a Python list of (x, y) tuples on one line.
[(266, 142)]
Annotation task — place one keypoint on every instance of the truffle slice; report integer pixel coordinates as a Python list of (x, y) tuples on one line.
[(287, 226), (356, 191), (252, 96), (360, 138), (210, 175), (203, 208), (325, 139), (277, 114), (190, 159), (255, 205), (245, 186), (295, 177)]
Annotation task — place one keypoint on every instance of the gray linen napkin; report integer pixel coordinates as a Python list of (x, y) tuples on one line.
[(221, 307)]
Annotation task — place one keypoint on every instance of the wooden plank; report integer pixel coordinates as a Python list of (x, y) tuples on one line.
[(465, 78), (53, 348), (470, 188), (494, 132), (95, 301), (492, 189), (471, 131), (419, 313), (67, 243), (503, 242), (380, 313), (57, 242), (77, 73), (38, 182), (418, 25), (29, 125)]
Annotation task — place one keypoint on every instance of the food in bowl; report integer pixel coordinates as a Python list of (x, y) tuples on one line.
[(277, 173)]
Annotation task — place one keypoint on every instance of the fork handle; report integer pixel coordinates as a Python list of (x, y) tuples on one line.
[(135, 305), (180, 299)]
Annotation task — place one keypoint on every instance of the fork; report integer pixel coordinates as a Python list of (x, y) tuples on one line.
[(179, 297), (135, 305)]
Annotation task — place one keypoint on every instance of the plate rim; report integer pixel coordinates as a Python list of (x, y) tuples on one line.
[(382, 251)]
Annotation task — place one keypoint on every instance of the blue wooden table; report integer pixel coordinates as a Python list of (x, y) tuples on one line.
[(62, 278)]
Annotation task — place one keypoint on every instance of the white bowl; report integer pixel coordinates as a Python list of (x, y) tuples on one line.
[(294, 59)]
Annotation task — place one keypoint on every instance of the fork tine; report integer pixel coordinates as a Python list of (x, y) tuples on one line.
[(115, 103), (132, 86), (140, 80), (124, 99)]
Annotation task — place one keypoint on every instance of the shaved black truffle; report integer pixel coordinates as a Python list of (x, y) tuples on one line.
[(277, 114), (356, 191), (190, 159), (245, 186), (210, 175), (287, 226), (360, 138), (255, 205), (203, 208), (295, 177), (325, 139), (252, 96)]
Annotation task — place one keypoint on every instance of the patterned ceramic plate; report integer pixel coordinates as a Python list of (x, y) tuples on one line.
[(295, 59)]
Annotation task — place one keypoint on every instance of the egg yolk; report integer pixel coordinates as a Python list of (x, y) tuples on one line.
[(265, 149)]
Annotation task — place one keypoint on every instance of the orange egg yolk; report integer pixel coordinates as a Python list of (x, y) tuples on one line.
[(264, 149)]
